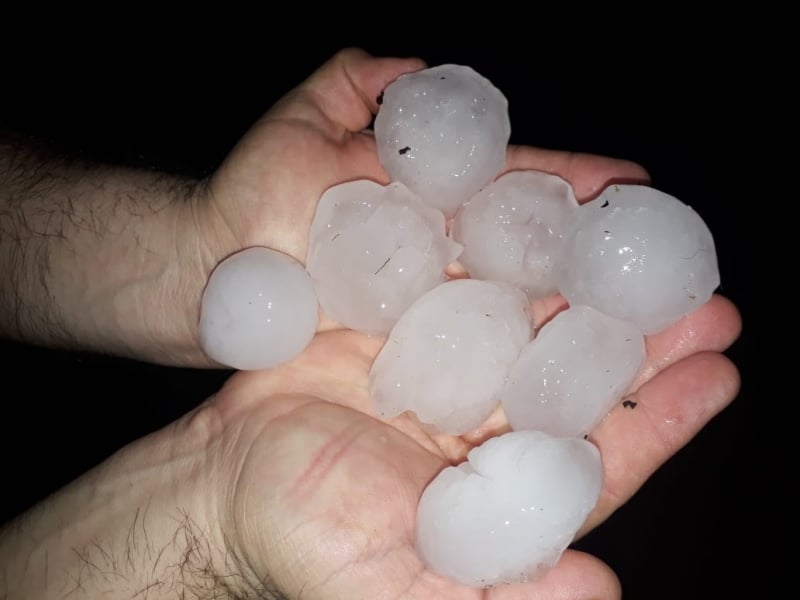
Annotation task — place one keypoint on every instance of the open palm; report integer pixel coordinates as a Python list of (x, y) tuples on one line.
[(319, 495)]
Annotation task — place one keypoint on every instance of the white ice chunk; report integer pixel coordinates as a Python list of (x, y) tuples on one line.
[(508, 514), (258, 310), (373, 250), (447, 357), (639, 254), (443, 132), (567, 379), (513, 229)]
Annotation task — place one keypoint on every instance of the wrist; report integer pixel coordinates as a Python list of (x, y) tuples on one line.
[(136, 292), (145, 522), (100, 258)]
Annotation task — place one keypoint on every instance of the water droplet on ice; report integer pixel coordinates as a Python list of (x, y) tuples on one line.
[(258, 310), (476, 523), (447, 357), (443, 132), (512, 230), (639, 254), (568, 378), (373, 250)]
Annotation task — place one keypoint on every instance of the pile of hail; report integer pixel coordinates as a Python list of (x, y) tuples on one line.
[(629, 263)]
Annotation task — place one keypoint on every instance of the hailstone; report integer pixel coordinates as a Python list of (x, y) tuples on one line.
[(639, 254), (568, 378), (512, 230), (258, 310), (373, 250), (509, 513), (447, 357), (443, 132)]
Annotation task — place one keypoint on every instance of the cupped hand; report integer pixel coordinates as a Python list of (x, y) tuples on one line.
[(319, 496), (266, 191)]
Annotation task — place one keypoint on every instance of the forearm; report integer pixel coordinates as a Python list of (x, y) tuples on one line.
[(94, 257), (90, 542), (143, 524)]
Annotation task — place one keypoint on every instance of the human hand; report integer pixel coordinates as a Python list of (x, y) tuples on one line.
[(334, 449), (266, 191), (321, 497), (290, 474)]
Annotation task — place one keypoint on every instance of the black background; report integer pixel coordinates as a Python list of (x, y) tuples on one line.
[(180, 107)]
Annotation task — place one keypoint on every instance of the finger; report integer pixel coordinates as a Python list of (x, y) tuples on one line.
[(576, 576), (344, 91), (588, 174), (714, 326), (656, 421)]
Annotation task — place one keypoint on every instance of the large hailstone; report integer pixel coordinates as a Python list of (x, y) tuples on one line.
[(509, 513), (447, 357), (568, 378), (639, 254), (373, 250), (258, 310), (513, 229), (443, 132)]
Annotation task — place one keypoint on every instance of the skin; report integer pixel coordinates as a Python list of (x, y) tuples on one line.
[(285, 475)]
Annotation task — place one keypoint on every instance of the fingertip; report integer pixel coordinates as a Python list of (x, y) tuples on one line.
[(713, 326), (590, 174), (387, 71), (579, 576), (344, 91), (370, 74)]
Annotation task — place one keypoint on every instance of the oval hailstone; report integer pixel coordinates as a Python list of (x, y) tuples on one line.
[(373, 250), (258, 310), (639, 254), (513, 229), (447, 357), (443, 132), (509, 513), (568, 378)]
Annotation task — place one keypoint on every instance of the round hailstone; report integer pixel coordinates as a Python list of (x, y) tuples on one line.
[(447, 357), (258, 310), (567, 379), (443, 132), (374, 250), (512, 230), (509, 513), (639, 254)]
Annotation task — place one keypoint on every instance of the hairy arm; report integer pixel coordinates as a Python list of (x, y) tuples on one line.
[(99, 258), (147, 523)]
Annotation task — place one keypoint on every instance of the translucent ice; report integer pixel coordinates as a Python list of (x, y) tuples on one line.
[(512, 230), (639, 254), (567, 379), (443, 132), (373, 250), (258, 310), (447, 357), (510, 512)]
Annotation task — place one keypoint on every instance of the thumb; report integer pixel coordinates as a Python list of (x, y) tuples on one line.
[(343, 93)]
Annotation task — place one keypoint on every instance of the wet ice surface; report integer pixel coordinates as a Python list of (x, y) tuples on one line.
[(447, 357), (567, 379), (258, 310), (373, 250), (513, 229), (443, 132), (508, 514), (639, 254)]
